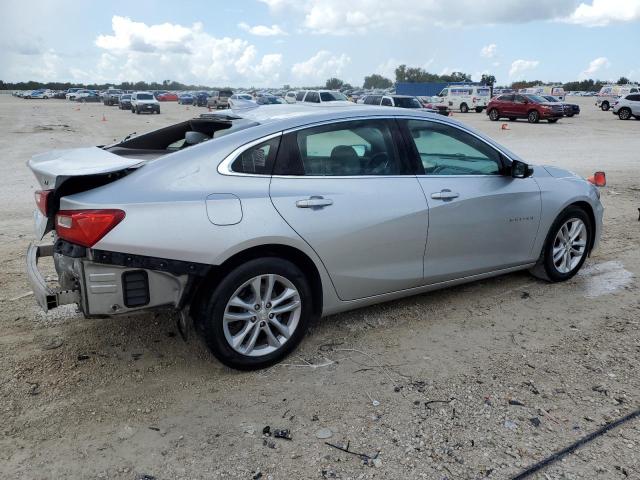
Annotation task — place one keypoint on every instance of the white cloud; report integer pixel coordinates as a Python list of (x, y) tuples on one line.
[(595, 65), (137, 51), (518, 67), (262, 30), (489, 51), (331, 16), (601, 13), (320, 67)]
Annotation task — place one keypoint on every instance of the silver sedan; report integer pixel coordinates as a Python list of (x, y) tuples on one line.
[(254, 223)]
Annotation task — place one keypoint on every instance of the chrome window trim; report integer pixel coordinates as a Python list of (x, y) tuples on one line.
[(224, 168)]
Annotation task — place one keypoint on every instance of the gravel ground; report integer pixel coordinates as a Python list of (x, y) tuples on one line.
[(477, 381)]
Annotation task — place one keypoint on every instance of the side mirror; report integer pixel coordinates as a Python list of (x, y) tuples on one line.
[(520, 169)]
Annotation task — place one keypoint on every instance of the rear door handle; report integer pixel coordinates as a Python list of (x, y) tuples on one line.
[(314, 202), (445, 194)]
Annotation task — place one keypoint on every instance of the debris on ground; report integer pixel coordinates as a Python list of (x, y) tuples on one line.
[(324, 433)]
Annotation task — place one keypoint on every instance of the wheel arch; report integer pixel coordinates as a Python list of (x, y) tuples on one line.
[(286, 252), (588, 209)]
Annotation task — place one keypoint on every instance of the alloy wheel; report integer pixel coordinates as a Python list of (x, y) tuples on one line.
[(624, 114), (570, 245), (262, 315)]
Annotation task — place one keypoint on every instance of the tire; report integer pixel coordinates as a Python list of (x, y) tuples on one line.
[(570, 115), (494, 115), (133, 110), (464, 108), (552, 120), (512, 119), (237, 284), (624, 113), (546, 268), (604, 106), (137, 111), (533, 116), (158, 111), (478, 109)]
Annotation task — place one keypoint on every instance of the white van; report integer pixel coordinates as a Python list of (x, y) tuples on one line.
[(608, 94), (466, 97), (553, 90)]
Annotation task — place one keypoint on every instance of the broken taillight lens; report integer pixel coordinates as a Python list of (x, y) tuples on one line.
[(86, 227), (599, 179), (42, 200)]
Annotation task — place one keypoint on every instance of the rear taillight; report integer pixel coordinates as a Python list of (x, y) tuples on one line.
[(42, 200), (599, 179), (86, 227)]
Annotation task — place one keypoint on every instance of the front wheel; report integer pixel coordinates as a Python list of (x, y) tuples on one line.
[(464, 108), (494, 115), (533, 116), (258, 313), (478, 109), (624, 114), (566, 247), (552, 120), (604, 106)]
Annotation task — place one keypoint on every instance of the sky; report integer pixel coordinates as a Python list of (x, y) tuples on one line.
[(261, 43)]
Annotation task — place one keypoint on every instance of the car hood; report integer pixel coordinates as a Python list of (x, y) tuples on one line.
[(560, 172)]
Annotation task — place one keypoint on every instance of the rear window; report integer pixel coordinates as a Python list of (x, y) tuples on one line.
[(225, 93), (300, 96), (126, 96), (404, 102)]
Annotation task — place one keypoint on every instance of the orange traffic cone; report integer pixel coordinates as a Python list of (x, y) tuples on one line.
[(505, 127), (451, 113), (209, 107), (104, 119)]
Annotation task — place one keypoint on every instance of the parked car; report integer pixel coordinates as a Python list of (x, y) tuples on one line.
[(435, 103), (219, 99), (241, 96), (323, 96), (60, 94), (627, 107), (36, 94), (111, 97), (400, 101), (125, 101), (144, 102), (466, 97), (186, 98), (90, 97), (201, 99), (80, 94), (167, 97), (570, 109), (532, 107), (269, 100), (608, 94), (256, 224)]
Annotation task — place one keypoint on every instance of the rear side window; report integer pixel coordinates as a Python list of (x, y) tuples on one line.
[(386, 102), (312, 97), (506, 98), (300, 96), (257, 160), (446, 150), (633, 98), (363, 147)]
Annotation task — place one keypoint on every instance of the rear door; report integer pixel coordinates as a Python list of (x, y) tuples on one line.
[(347, 189), (520, 106), (480, 218)]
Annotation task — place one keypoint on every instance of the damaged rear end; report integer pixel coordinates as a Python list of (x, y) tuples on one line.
[(107, 283)]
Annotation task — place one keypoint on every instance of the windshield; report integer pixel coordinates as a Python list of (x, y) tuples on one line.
[(331, 96), (536, 98), (126, 97), (549, 98), (144, 96), (404, 102)]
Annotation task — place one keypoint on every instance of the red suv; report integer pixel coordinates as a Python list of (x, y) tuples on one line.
[(532, 107)]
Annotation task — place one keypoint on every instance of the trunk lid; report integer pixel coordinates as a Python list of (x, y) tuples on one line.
[(66, 172)]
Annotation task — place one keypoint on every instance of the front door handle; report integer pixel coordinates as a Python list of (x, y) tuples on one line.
[(444, 194), (314, 202)]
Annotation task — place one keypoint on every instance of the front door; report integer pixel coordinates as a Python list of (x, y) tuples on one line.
[(480, 219), (347, 190)]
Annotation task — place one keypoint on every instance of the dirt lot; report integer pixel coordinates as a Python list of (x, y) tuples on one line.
[(476, 381)]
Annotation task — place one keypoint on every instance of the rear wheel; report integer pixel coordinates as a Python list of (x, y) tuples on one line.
[(512, 119), (494, 115), (552, 120), (533, 116), (464, 108), (566, 247), (570, 115), (478, 109), (258, 313), (624, 114), (604, 106)]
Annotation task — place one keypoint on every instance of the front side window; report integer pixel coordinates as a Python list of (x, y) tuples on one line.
[(312, 97), (257, 160), (519, 99), (446, 150), (410, 102), (506, 98), (386, 102), (300, 96), (363, 147), (332, 96)]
